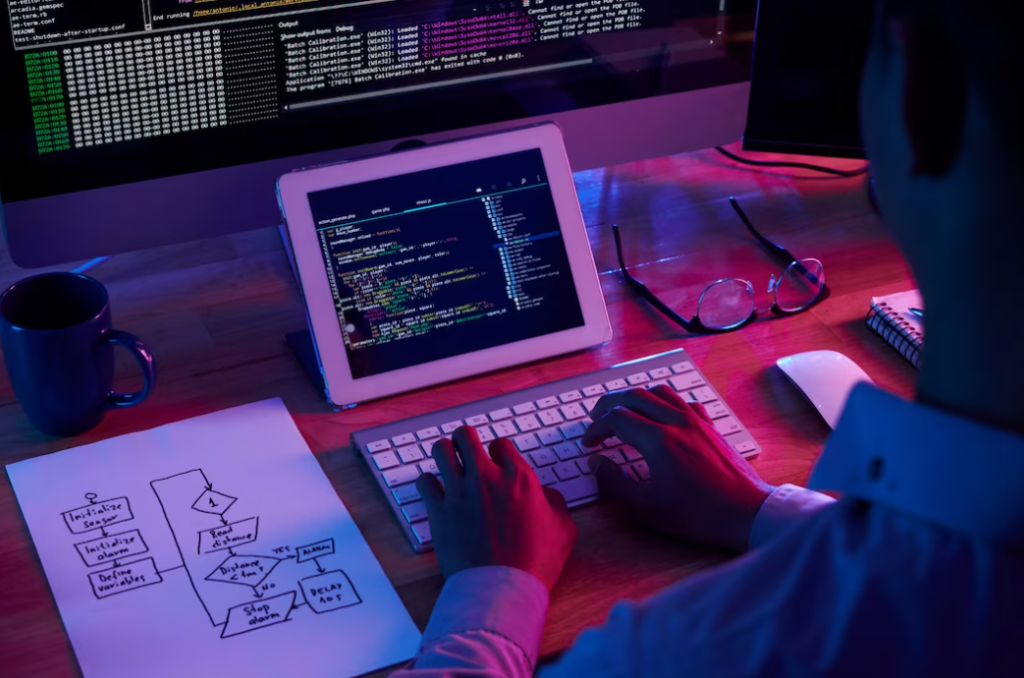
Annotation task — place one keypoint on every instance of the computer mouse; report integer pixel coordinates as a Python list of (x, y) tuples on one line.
[(825, 378)]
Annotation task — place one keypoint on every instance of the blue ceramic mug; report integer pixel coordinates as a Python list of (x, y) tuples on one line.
[(58, 346)]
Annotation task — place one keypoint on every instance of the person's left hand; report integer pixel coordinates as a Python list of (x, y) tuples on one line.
[(493, 510)]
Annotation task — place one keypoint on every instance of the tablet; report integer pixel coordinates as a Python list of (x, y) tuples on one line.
[(433, 264)]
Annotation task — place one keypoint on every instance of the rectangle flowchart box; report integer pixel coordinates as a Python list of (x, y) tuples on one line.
[(315, 550), (98, 514), (329, 591), (227, 536), (258, 614), (108, 549), (123, 578)]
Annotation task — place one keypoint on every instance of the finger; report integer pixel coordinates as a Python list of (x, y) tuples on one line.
[(507, 457), (668, 395), (467, 443), (448, 464), (432, 493), (614, 484), (700, 411), (632, 428), (557, 500), (641, 401)]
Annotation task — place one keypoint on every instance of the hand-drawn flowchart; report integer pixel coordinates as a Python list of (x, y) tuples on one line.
[(206, 539)]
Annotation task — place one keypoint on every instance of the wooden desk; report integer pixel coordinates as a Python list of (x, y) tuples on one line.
[(215, 314)]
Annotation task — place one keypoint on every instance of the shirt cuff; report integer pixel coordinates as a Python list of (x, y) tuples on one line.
[(786, 506), (504, 601)]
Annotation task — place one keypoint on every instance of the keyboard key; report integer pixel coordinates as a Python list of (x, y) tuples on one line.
[(429, 466), (528, 423), (404, 439), (616, 384), (450, 427), (378, 446), (631, 453), (578, 488), (745, 446), (386, 460), (595, 390), (542, 457), (661, 373), (504, 429), (428, 433), (614, 455), (660, 382), (546, 476), (549, 436), (570, 396), (485, 434), (679, 368), (414, 512), (638, 378), (503, 413), (585, 449), (524, 408), (717, 409), (410, 454), (550, 401), (583, 466), (587, 422), (526, 442), (590, 403), (401, 475), (685, 382), (573, 430), (727, 425), (566, 471), (550, 417), (422, 532), (612, 442), (405, 494), (572, 411), (566, 451), (642, 471), (703, 395), (477, 420)]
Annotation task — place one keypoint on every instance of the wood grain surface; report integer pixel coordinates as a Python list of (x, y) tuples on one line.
[(215, 313)]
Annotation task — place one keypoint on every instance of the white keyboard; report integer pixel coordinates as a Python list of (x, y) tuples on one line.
[(545, 423)]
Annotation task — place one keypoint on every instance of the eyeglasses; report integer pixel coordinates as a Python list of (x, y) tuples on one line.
[(728, 304)]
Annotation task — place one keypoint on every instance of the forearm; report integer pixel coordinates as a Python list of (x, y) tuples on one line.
[(487, 623)]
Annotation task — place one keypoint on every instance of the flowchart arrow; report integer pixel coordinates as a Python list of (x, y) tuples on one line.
[(209, 485), (231, 551), (256, 593), (318, 568), (103, 531), (223, 521)]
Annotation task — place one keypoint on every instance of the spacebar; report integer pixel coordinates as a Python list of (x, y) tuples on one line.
[(577, 488)]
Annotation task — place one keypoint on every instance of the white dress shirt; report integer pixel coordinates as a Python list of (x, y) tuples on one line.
[(917, 571)]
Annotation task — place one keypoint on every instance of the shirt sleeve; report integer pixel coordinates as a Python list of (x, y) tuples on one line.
[(786, 506), (487, 623)]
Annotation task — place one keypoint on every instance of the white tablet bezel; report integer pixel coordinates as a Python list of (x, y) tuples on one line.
[(342, 389)]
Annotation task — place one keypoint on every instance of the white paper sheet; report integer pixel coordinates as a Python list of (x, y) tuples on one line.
[(227, 553)]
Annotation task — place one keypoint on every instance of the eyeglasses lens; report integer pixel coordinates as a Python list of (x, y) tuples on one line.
[(726, 304), (800, 285)]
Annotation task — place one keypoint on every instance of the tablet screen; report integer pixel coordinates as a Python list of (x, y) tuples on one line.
[(444, 262)]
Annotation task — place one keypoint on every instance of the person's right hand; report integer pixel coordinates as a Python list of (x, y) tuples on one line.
[(700, 488)]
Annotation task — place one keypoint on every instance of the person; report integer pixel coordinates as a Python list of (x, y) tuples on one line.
[(918, 570)]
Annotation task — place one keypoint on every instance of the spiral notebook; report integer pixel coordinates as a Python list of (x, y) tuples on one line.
[(891, 319)]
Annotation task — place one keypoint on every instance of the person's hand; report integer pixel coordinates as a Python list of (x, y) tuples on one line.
[(493, 510), (700, 488)]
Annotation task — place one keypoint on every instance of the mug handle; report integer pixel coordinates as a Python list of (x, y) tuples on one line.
[(145, 360)]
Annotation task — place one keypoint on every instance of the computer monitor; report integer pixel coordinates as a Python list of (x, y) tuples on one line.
[(805, 78), (133, 123)]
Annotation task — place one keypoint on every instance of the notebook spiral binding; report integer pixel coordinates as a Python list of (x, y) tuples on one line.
[(896, 331)]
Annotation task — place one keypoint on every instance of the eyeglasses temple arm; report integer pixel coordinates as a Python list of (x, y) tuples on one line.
[(657, 303), (779, 251)]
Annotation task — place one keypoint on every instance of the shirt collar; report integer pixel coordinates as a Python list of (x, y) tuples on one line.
[(959, 474)]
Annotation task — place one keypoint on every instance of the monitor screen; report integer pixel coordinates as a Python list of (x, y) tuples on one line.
[(805, 81), (105, 93), (445, 262)]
